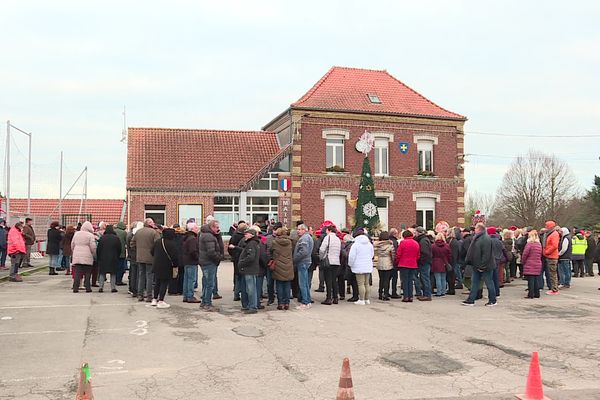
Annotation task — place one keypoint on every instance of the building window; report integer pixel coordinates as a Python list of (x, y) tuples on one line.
[(269, 182), (425, 149), (262, 209), (426, 212), (373, 98), (381, 156), (226, 211), (187, 211), (335, 151), (335, 210), (156, 212), (382, 210)]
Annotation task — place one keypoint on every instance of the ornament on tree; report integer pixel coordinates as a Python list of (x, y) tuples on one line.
[(366, 213), (370, 210)]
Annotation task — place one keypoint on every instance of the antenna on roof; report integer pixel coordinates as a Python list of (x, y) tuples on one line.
[(124, 131)]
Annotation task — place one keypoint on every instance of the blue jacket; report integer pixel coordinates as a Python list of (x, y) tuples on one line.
[(303, 250)]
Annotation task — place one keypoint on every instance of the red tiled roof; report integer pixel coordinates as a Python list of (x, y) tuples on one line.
[(107, 210), (347, 89), (196, 159)]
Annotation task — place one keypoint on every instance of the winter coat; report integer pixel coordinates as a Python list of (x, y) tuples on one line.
[(84, 245), (532, 259), (361, 255), (162, 261), (3, 237), (66, 244), (508, 249), (190, 249), (249, 262), (143, 241), (455, 250), (281, 253), (122, 235), (480, 255), (131, 249), (551, 242), (385, 255), (425, 246), (303, 250), (565, 250), (29, 235), (16, 241), (53, 243), (441, 256), (109, 250), (332, 246), (498, 250), (591, 248), (464, 248), (209, 251), (579, 247), (408, 253)]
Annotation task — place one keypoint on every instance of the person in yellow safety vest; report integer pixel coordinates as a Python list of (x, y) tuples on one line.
[(578, 256)]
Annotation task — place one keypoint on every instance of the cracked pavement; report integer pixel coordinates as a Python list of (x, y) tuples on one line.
[(436, 350)]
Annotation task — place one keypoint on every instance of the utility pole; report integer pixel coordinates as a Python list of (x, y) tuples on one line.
[(60, 189), (8, 172)]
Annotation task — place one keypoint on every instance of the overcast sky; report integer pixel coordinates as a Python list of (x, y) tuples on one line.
[(68, 67)]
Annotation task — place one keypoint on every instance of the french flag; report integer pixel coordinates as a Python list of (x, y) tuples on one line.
[(284, 184)]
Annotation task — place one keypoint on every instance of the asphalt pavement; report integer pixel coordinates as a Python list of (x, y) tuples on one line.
[(429, 350)]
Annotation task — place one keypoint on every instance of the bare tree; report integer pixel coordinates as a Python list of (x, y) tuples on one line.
[(536, 187), (484, 202)]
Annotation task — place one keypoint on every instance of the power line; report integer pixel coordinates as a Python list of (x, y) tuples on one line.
[(532, 135), (527, 157)]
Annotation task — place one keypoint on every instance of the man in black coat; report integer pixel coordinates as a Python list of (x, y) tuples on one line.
[(249, 268), (108, 253), (235, 251), (423, 283), (481, 258)]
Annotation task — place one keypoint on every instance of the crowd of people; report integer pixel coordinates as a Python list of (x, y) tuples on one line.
[(274, 264)]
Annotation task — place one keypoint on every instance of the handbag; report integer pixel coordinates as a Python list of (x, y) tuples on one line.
[(173, 265), (325, 260)]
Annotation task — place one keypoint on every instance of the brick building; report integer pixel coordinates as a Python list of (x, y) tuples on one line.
[(304, 162)]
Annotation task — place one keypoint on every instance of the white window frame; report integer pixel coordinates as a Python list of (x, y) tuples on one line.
[(435, 197), (230, 209), (425, 144), (273, 180), (380, 145), (335, 134), (389, 196), (271, 209), (151, 211)]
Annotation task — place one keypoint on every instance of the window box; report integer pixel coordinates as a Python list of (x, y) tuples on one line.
[(427, 174), (335, 169)]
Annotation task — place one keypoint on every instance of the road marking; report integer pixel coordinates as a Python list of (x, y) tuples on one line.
[(35, 378), (68, 306), (117, 368), (141, 329), (6, 318), (67, 331)]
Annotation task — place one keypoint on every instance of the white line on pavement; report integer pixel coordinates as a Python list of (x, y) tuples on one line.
[(70, 305), (68, 331), (35, 378)]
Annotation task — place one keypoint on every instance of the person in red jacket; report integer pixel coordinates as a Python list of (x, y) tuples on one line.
[(407, 256), (16, 251), (532, 264), (550, 245)]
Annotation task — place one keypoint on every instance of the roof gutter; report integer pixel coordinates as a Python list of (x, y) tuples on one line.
[(277, 117), (379, 113)]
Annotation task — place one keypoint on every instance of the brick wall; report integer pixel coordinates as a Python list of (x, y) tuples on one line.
[(138, 200)]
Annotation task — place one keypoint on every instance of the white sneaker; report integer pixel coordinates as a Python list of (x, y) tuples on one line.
[(162, 304), (154, 302), (367, 302), (301, 307), (360, 302)]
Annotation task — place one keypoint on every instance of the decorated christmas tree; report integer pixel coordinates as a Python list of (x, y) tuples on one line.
[(366, 214)]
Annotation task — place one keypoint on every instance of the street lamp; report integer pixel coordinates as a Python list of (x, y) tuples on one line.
[(8, 126)]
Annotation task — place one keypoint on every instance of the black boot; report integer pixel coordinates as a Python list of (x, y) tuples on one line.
[(479, 294), (52, 272)]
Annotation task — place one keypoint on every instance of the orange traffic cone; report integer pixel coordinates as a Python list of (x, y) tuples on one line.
[(345, 389), (534, 389), (84, 389)]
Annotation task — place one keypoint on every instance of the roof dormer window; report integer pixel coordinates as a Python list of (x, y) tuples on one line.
[(373, 98)]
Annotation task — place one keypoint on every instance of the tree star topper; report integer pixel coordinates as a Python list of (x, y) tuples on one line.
[(365, 143)]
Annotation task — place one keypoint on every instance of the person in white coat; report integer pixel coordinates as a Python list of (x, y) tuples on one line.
[(360, 260)]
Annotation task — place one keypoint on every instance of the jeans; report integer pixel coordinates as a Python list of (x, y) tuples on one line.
[(495, 279), (489, 282), (458, 273), (145, 279), (121, 266), (407, 276), (270, 286), (533, 288), (27, 259), (86, 272), (67, 260), (209, 275), (54, 263), (304, 283), (16, 259), (259, 288), (363, 286), (216, 285), (133, 277), (3, 255), (331, 281), (283, 292), (440, 283), (589, 266), (553, 267), (564, 272), (102, 279), (249, 295), (425, 279), (189, 277)]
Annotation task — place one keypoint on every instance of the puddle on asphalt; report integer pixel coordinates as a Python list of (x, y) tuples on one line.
[(248, 331), (422, 362)]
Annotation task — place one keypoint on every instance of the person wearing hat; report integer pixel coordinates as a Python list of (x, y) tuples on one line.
[(3, 242), (249, 268), (423, 282), (16, 251), (550, 245)]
